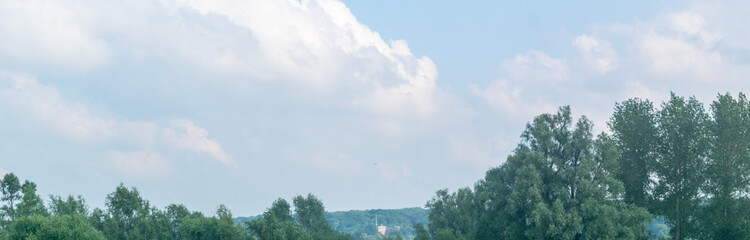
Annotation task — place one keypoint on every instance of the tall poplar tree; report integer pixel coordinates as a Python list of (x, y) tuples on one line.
[(633, 125), (683, 147), (728, 169), (11, 189), (557, 184)]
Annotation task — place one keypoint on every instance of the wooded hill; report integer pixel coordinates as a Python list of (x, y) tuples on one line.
[(361, 223)]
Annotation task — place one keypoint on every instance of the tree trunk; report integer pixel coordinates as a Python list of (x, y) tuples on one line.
[(677, 225)]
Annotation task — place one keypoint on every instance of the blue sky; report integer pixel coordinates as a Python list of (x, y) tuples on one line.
[(367, 104)]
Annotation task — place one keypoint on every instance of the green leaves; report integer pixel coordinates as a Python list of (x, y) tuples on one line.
[(11, 189), (683, 147), (31, 204), (728, 169), (67, 227), (310, 222), (558, 184), (633, 125)]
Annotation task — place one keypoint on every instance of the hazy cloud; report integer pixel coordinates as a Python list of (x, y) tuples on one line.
[(44, 104), (50, 33), (597, 54)]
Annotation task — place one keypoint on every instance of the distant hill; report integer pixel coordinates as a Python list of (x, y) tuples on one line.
[(362, 222)]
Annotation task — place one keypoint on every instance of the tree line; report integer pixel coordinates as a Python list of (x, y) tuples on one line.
[(685, 165), (679, 164), (128, 216)]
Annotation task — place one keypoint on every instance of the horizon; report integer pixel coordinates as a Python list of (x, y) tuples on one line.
[(367, 105)]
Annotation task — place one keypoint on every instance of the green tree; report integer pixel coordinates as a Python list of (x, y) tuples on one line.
[(311, 213), (633, 125), (11, 189), (269, 227), (456, 211), (68, 206), (31, 203), (129, 216), (282, 210), (176, 214), (228, 229), (728, 168), (683, 135), (124, 207), (199, 228), (422, 233), (67, 227), (558, 184)]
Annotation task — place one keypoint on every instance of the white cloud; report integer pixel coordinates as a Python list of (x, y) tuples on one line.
[(597, 54), (681, 45), (51, 33), (45, 105), (536, 66), (695, 51), (636, 89), (512, 94), (338, 163), (510, 101), (3, 172), (315, 47), (672, 56), (186, 135), (321, 44), (140, 163)]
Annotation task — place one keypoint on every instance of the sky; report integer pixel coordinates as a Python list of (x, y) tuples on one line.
[(366, 104)]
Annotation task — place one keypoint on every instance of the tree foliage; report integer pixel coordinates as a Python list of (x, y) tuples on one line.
[(683, 147), (633, 125), (11, 189), (309, 221), (557, 184), (31, 204), (728, 170)]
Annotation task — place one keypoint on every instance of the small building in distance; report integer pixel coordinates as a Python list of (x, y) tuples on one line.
[(382, 229), (385, 231)]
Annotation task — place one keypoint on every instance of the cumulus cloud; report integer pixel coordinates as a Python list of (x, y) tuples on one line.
[(315, 47), (140, 163), (320, 44), (694, 51)]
